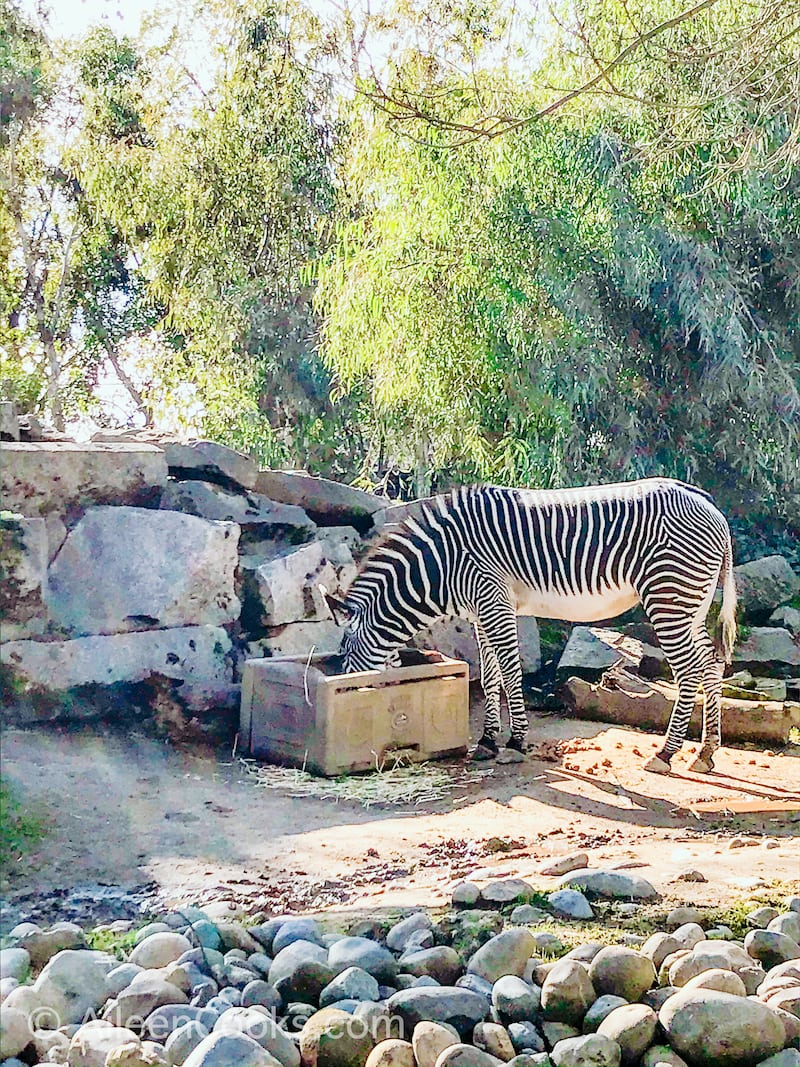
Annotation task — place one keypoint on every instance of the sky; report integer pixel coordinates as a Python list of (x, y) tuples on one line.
[(69, 17)]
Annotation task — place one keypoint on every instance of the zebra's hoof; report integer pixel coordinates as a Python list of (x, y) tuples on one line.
[(485, 749), (703, 763), (657, 765), (511, 755)]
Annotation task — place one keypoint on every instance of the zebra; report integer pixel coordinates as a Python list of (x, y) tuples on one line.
[(584, 554)]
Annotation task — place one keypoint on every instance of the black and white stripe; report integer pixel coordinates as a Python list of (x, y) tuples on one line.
[(585, 554)]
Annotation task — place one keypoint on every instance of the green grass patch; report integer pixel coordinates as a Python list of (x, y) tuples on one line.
[(20, 831), (119, 945)]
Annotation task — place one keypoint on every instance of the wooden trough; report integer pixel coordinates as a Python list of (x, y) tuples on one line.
[(304, 713), (627, 700)]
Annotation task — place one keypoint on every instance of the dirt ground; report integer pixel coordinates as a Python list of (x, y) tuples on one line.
[(127, 809)]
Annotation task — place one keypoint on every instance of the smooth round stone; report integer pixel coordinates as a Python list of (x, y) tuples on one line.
[(204, 958), (633, 1027), (546, 943), (72, 983), (379, 1022), (705, 955), (392, 1053), (95, 1041), (442, 963), (525, 1037), (296, 930), (514, 999), (505, 953), (788, 923), (601, 1008), (466, 894), (570, 904), (770, 947), (398, 936), (621, 971), (443, 1004), (352, 984), (261, 993), (590, 1050), (528, 915), (206, 934), (361, 952), (467, 1056), (258, 1025), (494, 1039), (15, 1032), (429, 1040), (225, 1050), (15, 963), (159, 949), (567, 993), (329, 1039), (7, 985), (183, 1041), (721, 980), (476, 984), (712, 1029), (761, 917), (662, 1056), (658, 946), (149, 930), (689, 934)]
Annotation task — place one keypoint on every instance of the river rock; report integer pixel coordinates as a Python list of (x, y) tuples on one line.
[(712, 1029), (515, 1000), (525, 1037), (505, 953), (599, 1010), (362, 952), (613, 885), (567, 993), (571, 904), (787, 923), (15, 963), (182, 1041), (146, 992), (573, 861), (590, 1050), (72, 983), (689, 934), (392, 1053), (225, 1049), (467, 1056), (441, 962), (94, 1041), (459, 1007), (261, 1028), (494, 1039), (505, 891), (633, 1027), (662, 1056), (658, 946), (682, 915), (760, 918), (721, 980), (352, 984), (398, 936), (466, 894), (159, 949), (704, 956), (333, 1038), (621, 971), (429, 1040), (771, 947), (15, 1032), (764, 584)]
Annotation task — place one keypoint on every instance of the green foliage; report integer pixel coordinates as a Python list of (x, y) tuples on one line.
[(20, 831)]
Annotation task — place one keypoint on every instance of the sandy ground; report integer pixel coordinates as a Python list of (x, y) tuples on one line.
[(127, 809)]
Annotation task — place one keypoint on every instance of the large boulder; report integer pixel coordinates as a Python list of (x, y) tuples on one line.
[(461, 1008), (768, 650), (72, 984), (39, 478), (286, 589), (612, 885), (764, 584), (124, 569), (328, 503), (712, 1029), (212, 462), (256, 514), (23, 576), (505, 953), (197, 656)]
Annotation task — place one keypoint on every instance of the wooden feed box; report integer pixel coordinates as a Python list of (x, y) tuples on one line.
[(305, 714)]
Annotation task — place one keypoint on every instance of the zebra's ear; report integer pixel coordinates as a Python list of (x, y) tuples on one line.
[(337, 607)]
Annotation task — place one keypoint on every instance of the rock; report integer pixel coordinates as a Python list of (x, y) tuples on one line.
[(301, 968), (94, 1041), (790, 1057), (515, 1000), (328, 503), (442, 963), (398, 935), (261, 1028), (362, 952), (64, 477), (15, 963), (771, 947), (224, 1050), (212, 462), (235, 936), (45, 1040), (9, 421), (297, 639), (466, 894), (159, 949), (691, 874), (505, 891), (547, 944), (712, 1029), (136, 1054), (15, 1032), (787, 924), (662, 1056), (147, 992), (196, 655), (591, 1050), (705, 955), (494, 1039), (769, 650), (181, 573), (151, 928), (689, 934), (601, 1008), (564, 864), (182, 1041), (721, 980), (392, 1053), (459, 1007), (466, 1056), (286, 589), (555, 1032), (260, 992), (525, 1037), (621, 971), (571, 904), (456, 638), (610, 884), (352, 984), (567, 993), (787, 618), (680, 916), (658, 946), (589, 653), (23, 580), (633, 1027), (764, 584), (505, 953), (258, 516), (333, 1038), (430, 1039), (527, 915), (72, 983)]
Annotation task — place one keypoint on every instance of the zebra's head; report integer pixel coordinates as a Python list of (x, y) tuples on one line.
[(364, 647)]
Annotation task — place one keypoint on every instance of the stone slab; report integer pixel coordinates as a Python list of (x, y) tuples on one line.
[(328, 503), (123, 569), (23, 577), (254, 513), (298, 639), (66, 477), (764, 584), (768, 650), (210, 461)]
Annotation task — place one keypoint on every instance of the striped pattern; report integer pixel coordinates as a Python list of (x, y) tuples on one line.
[(489, 554)]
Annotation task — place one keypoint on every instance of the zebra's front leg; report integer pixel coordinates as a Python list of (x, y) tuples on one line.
[(491, 682), (502, 632)]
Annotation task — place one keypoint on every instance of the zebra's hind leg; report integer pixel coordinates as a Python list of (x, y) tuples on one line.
[(712, 686), (491, 682), (677, 641)]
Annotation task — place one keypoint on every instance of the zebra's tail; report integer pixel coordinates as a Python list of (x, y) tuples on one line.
[(727, 615)]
